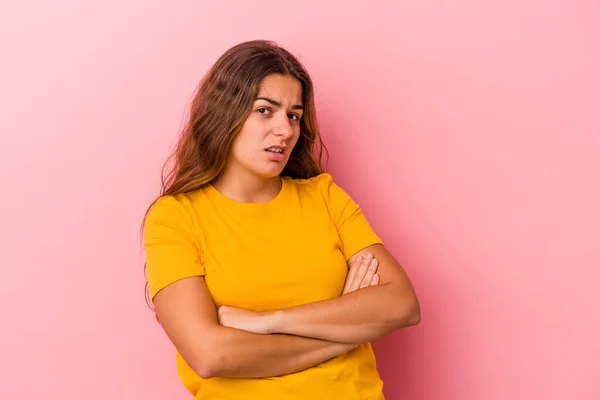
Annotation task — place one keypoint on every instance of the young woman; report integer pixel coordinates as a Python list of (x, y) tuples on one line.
[(264, 273)]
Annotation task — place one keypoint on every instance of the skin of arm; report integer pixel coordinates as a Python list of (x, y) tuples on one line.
[(188, 315), (357, 317)]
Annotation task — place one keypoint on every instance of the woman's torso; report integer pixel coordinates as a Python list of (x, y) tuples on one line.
[(271, 256)]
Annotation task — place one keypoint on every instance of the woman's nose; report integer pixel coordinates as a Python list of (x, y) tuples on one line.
[(283, 127)]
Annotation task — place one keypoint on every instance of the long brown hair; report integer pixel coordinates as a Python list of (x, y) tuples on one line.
[(221, 104)]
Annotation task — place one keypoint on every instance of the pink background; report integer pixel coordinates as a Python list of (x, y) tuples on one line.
[(469, 132)]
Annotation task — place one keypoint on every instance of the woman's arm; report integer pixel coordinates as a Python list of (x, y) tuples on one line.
[(358, 317), (188, 315)]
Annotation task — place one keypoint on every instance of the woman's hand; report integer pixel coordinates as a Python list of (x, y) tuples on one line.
[(251, 321), (362, 274)]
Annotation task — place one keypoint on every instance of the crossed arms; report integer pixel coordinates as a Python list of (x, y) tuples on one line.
[(378, 299)]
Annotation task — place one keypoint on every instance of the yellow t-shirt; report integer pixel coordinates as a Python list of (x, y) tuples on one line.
[(283, 253)]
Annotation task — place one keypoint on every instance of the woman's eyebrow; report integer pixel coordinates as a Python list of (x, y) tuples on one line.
[(278, 104)]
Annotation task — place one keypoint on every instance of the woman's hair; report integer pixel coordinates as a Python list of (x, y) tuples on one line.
[(222, 102)]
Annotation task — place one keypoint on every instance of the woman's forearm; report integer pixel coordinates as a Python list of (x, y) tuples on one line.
[(358, 317), (240, 354), (362, 315)]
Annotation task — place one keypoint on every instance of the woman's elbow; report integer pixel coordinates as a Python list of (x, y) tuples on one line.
[(207, 370), (208, 363), (408, 313), (204, 367), (414, 316), (204, 372)]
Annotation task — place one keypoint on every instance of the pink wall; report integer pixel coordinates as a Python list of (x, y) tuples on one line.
[(469, 131)]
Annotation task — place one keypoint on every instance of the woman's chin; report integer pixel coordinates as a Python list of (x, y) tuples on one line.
[(269, 173)]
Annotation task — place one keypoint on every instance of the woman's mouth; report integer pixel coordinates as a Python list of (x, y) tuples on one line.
[(275, 153)]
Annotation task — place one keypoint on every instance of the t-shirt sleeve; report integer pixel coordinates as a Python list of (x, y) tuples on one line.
[(171, 245), (353, 228)]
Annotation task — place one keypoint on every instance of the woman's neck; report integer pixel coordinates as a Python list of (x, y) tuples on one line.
[(248, 189)]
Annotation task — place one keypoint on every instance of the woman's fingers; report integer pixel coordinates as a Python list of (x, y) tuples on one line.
[(370, 272), (361, 272), (375, 280), (351, 274)]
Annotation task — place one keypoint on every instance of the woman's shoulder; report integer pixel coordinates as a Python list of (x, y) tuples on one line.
[(178, 204), (325, 187), (323, 178), (317, 187)]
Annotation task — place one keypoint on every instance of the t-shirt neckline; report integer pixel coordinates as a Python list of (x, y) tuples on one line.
[(228, 202)]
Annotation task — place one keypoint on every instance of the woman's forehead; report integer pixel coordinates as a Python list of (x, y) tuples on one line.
[(283, 89)]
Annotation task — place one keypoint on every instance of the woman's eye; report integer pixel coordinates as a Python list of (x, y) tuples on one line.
[(293, 117), (263, 110)]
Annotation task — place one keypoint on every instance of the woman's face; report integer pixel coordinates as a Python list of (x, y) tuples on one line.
[(265, 142)]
